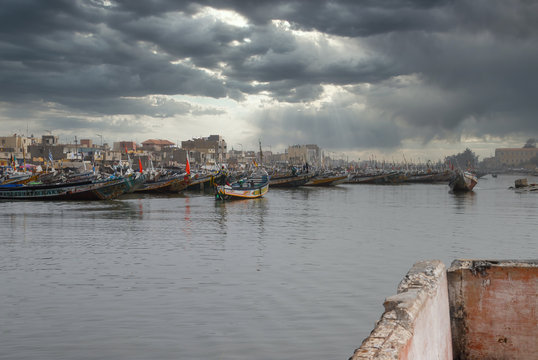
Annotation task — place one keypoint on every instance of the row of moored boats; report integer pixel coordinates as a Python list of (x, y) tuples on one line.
[(69, 185)]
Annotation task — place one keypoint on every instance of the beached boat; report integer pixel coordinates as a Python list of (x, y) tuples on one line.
[(164, 182), (327, 180), (84, 190), (161, 185), (431, 177), (383, 178), (19, 178), (205, 181), (252, 187), (462, 181), (180, 183), (289, 180)]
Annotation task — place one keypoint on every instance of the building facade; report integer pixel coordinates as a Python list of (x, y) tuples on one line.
[(156, 144), (213, 147), (122, 145), (301, 154), (15, 146), (515, 156)]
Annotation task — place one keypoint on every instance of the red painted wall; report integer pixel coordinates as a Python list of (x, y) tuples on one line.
[(494, 309)]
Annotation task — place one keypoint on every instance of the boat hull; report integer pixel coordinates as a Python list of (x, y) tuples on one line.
[(463, 181), (290, 180), (156, 186), (326, 181), (227, 192), (204, 182), (101, 190)]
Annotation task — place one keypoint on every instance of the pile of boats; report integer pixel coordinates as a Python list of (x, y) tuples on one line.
[(392, 177), (250, 184), (80, 187)]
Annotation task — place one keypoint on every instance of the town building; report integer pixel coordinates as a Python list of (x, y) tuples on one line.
[(49, 139), (156, 144), (301, 154), (123, 145), (49, 147), (213, 148), (515, 156), (490, 163), (235, 157), (86, 143), (15, 146)]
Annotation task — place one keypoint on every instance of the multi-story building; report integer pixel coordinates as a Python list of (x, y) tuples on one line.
[(40, 153), (515, 156), (49, 139), (235, 157), (15, 146), (214, 147), (156, 144), (122, 145), (65, 153), (87, 143), (301, 154)]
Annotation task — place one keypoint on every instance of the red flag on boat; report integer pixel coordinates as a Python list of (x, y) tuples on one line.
[(188, 166), (140, 164)]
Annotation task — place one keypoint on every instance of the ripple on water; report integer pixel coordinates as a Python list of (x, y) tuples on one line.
[(299, 274)]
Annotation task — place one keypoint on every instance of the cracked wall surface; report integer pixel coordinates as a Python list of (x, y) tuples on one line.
[(494, 309), (416, 323)]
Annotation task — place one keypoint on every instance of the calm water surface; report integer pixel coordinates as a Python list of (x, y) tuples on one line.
[(299, 274)]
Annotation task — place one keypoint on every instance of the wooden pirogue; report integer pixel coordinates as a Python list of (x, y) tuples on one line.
[(83, 190)]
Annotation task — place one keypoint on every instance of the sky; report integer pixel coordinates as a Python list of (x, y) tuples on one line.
[(386, 78)]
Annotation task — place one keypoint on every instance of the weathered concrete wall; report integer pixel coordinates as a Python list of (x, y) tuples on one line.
[(416, 323), (494, 307)]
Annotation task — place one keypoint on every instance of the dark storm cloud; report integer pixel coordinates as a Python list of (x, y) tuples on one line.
[(329, 127), (421, 69)]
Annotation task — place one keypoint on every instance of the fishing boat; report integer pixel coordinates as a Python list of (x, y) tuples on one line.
[(379, 178), (462, 181), (85, 190), (252, 187), (180, 183), (171, 183), (431, 177), (18, 178), (205, 181), (327, 179), (290, 180)]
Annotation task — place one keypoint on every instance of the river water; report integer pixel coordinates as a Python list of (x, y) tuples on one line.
[(299, 274)]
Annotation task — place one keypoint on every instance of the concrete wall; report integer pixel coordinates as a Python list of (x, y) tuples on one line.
[(494, 309), (416, 322)]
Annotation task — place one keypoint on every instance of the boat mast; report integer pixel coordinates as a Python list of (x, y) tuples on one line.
[(261, 153)]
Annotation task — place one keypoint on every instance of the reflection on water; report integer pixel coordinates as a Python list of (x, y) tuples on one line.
[(463, 200), (298, 274)]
